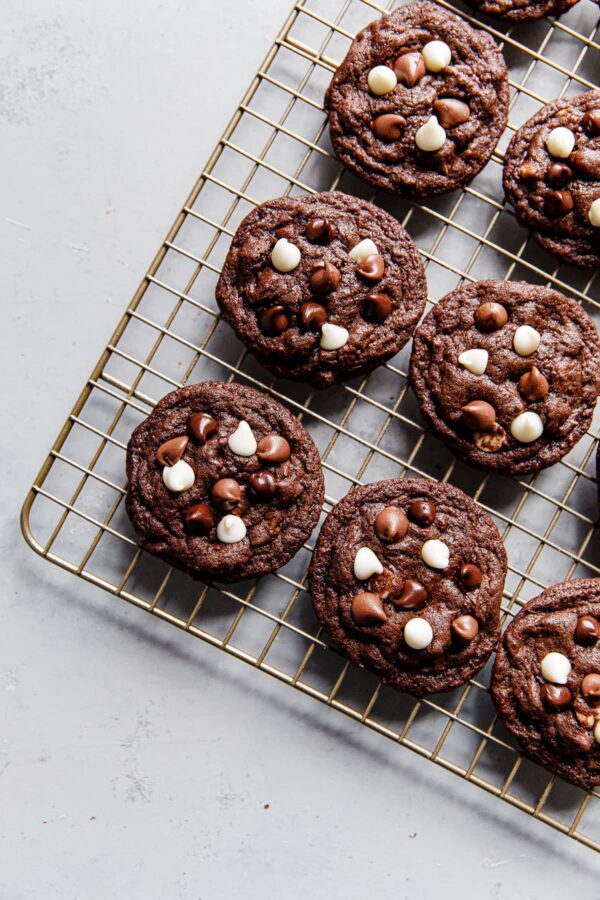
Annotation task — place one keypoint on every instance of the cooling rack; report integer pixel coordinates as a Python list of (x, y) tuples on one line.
[(171, 333)]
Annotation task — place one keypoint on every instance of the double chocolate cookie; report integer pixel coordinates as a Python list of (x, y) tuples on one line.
[(419, 103), (407, 578), (552, 178), (546, 680), (223, 482), (507, 374), (322, 288), (522, 10)]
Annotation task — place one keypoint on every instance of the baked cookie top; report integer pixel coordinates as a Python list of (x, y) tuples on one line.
[(407, 578), (507, 373), (546, 680), (419, 103), (552, 178), (522, 10), (323, 287), (223, 481)]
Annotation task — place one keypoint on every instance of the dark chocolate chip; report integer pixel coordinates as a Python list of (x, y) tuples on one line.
[(470, 576), (391, 524), (533, 385), (422, 512), (451, 112), (558, 204), (371, 268), (262, 485), (590, 686), (556, 697), (274, 320), (273, 449), (378, 306), (367, 609), (591, 122), (312, 315), (226, 494), (202, 426), (587, 630), (320, 231), (199, 518), (325, 278), (558, 174), (410, 68), (414, 595), (478, 415), (490, 316), (388, 127)]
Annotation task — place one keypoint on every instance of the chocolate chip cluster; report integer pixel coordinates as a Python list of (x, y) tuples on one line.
[(566, 163), (313, 316), (408, 70), (479, 416), (582, 698), (228, 497), (388, 586)]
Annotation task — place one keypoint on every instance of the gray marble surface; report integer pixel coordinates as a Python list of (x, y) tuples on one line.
[(135, 762)]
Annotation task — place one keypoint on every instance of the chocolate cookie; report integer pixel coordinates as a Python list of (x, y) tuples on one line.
[(507, 374), (407, 579), (322, 288), (419, 103), (223, 482), (522, 10), (552, 178), (546, 680)]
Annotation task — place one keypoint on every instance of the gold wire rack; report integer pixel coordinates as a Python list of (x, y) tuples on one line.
[(171, 333)]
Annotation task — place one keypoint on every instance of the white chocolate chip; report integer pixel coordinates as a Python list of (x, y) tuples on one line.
[(437, 55), (381, 80), (560, 142), (526, 427), (430, 136), (555, 667), (526, 340), (285, 256), (242, 442), (435, 554), (418, 633), (231, 530), (366, 564), (597, 732), (594, 213), (363, 249), (333, 336), (474, 361), (179, 477)]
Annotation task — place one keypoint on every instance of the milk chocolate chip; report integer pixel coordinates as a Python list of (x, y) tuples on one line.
[(325, 278), (410, 68), (388, 127), (312, 315), (371, 268), (274, 320), (171, 451), (587, 630), (478, 415), (199, 518), (556, 697), (423, 512), (367, 609), (451, 112), (414, 595), (273, 449), (391, 524), (490, 316), (590, 687), (226, 494), (470, 576), (533, 385), (465, 629), (591, 122)]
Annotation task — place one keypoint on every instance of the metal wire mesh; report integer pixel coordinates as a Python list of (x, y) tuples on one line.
[(171, 334)]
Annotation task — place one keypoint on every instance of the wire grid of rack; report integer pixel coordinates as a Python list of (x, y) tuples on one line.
[(171, 333)]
